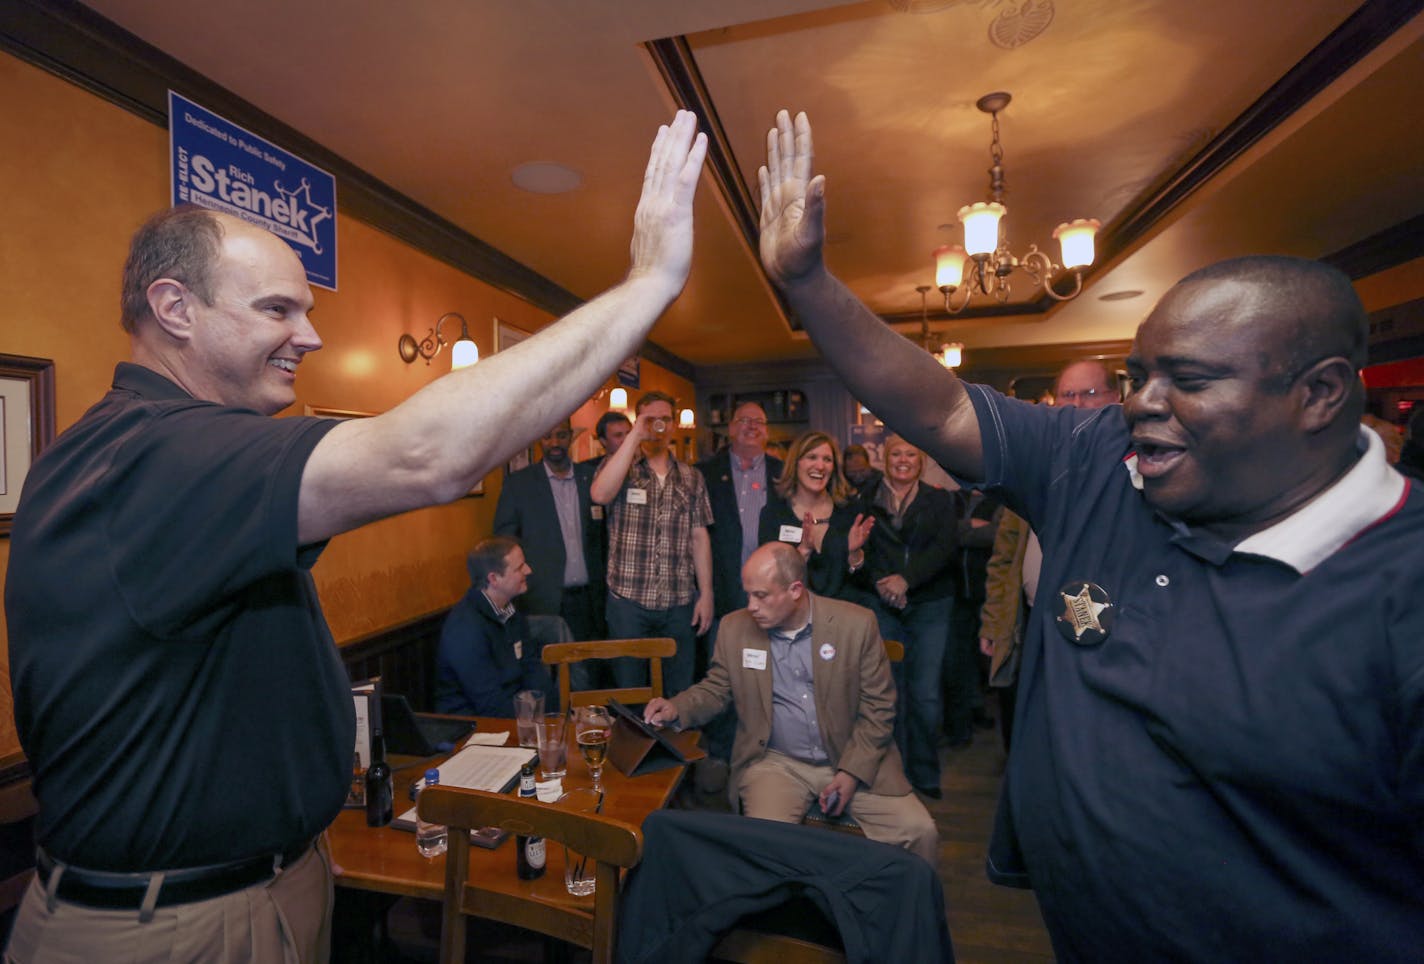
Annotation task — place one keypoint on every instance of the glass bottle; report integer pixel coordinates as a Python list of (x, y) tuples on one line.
[(430, 838), (529, 855), (380, 803)]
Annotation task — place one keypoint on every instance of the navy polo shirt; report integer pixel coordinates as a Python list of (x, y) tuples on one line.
[(177, 691), (1237, 771)]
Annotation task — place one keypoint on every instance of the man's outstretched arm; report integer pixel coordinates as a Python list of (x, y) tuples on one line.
[(896, 379), (438, 443)]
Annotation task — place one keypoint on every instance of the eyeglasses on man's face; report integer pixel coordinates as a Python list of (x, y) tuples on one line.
[(1071, 395), (747, 421)]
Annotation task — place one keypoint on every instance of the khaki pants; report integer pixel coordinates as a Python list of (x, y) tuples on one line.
[(779, 787), (285, 919)]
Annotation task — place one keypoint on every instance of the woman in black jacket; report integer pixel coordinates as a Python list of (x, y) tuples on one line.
[(912, 563), (811, 508)]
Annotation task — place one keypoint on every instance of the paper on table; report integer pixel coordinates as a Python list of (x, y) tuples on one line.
[(488, 739)]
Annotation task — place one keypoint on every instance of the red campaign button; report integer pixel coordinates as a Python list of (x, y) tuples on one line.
[(756, 486)]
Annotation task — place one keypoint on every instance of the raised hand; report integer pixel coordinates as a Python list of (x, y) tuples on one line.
[(792, 202), (662, 225), (859, 532)]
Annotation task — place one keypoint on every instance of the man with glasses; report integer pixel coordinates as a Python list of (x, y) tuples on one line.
[(547, 507), (738, 479), (659, 552)]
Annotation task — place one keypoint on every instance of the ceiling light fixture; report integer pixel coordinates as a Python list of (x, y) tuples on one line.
[(984, 262), (463, 353), (949, 354)]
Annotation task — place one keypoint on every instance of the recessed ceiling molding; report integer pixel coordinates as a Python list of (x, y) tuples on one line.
[(672, 58), (1382, 250), (1371, 24)]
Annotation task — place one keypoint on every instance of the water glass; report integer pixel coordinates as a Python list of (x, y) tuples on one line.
[(580, 871), (528, 708), (553, 746)]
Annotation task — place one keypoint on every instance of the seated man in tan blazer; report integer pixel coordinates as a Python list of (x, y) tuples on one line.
[(815, 706)]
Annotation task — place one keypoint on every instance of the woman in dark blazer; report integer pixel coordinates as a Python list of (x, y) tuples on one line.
[(812, 508), (912, 564)]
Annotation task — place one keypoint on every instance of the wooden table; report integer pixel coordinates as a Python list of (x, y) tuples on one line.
[(385, 860)]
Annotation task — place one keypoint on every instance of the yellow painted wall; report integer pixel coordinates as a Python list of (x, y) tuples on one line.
[(77, 176)]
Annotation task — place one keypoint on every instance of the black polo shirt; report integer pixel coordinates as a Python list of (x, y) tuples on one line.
[(176, 688), (1237, 771)]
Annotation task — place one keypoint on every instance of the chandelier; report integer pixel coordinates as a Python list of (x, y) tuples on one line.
[(949, 354), (984, 263)]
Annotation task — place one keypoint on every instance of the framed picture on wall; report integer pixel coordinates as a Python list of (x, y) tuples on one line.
[(507, 335), (26, 425)]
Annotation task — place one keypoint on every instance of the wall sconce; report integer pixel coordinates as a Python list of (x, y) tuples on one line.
[(463, 353), (686, 419), (618, 399)]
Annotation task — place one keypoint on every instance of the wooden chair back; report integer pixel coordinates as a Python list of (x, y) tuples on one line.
[(611, 844), (654, 650), (894, 650)]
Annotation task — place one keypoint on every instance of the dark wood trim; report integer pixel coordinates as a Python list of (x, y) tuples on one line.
[(68, 39), (1382, 251), (675, 63)]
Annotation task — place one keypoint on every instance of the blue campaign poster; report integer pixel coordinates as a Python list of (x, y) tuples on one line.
[(223, 167), (630, 372)]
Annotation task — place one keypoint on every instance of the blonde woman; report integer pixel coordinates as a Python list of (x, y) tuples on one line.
[(812, 507)]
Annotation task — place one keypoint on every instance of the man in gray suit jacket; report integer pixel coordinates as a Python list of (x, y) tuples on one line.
[(546, 506), (815, 707)]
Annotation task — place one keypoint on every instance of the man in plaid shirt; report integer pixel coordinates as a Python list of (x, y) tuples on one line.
[(659, 552)]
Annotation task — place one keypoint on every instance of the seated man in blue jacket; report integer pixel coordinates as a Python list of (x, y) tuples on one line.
[(486, 655)]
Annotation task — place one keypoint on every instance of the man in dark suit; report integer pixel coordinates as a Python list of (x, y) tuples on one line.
[(738, 479), (546, 506)]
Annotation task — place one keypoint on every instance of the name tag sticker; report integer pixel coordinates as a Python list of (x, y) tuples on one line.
[(637, 496), (519, 649), (596, 511), (789, 534), (753, 659)]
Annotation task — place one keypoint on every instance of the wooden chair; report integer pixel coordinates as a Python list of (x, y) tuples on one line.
[(611, 844), (894, 650), (654, 650)]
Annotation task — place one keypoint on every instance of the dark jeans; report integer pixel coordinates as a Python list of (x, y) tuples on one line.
[(923, 628), (962, 694), (582, 609), (628, 620)]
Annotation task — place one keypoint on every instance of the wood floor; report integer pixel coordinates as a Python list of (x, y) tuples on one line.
[(989, 924)]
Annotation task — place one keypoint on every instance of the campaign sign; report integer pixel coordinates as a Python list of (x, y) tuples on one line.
[(223, 167)]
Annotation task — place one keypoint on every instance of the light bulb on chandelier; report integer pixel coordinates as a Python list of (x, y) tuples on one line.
[(984, 263)]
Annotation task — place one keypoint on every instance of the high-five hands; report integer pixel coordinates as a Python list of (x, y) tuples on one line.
[(792, 202)]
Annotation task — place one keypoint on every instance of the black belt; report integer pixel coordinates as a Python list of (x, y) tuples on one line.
[(181, 885)]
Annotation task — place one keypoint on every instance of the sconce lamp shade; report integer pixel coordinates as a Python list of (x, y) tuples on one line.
[(686, 419), (618, 399), (951, 355), (981, 226), (1076, 239), (463, 354), (949, 266)]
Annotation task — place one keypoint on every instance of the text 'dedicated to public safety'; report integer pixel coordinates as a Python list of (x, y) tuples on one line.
[(223, 167)]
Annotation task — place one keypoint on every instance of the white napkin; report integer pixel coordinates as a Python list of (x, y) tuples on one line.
[(488, 739)]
